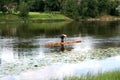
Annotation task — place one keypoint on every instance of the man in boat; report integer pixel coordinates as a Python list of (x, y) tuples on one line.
[(63, 36)]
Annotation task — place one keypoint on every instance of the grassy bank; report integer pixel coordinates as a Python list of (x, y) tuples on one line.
[(34, 16), (114, 75), (53, 16)]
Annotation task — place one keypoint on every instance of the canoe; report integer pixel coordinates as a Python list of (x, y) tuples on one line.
[(61, 43)]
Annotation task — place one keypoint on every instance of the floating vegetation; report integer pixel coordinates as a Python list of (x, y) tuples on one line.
[(103, 53), (30, 63)]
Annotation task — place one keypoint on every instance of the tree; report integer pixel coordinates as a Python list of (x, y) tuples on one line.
[(104, 6), (83, 7), (88, 8), (114, 6), (51, 5), (37, 5), (61, 3), (70, 9), (92, 8), (24, 10)]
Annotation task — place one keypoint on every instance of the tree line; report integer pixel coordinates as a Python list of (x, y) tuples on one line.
[(71, 8), (91, 8)]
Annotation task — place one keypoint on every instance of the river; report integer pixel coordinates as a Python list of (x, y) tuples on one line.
[(23, 51)]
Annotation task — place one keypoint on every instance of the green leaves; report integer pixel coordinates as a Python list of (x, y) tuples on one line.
[(24, 10), (70, 9)]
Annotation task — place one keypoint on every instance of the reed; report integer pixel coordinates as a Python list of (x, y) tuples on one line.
[(113, 75)]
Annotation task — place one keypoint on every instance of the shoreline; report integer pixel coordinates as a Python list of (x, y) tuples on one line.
[(59, 20), (101, 19), (35, 20), (45, 17)]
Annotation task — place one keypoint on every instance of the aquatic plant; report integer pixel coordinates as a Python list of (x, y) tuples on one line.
[(30, 63)]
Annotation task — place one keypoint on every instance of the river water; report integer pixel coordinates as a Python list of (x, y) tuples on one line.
[(23, 52)]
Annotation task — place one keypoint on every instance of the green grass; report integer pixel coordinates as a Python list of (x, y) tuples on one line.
[(114, 75), (34, 16), (37, 15)]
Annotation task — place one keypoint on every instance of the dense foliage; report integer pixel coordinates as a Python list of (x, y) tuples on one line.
[(71, 8), (23, 10), (88, 8)]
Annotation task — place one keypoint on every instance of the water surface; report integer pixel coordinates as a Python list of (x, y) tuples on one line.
[(22, 46)]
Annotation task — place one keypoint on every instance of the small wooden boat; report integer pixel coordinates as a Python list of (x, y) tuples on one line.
[(61, 43)]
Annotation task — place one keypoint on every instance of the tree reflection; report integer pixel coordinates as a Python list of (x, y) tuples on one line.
[(23, 35), (29, 30)]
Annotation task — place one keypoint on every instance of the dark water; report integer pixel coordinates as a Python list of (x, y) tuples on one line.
[(22, 48)]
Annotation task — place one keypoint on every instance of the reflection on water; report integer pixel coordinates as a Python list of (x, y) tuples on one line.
[(21, 42), (62, 47)]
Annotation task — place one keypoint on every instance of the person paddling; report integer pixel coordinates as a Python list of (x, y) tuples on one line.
[(63, 36), (62, 42)]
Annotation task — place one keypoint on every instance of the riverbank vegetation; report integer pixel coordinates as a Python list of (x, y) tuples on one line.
[(113, 75), (74, 9), (34, 16), (82, 9)]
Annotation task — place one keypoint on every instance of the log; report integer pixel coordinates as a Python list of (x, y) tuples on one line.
[(61, 43)]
